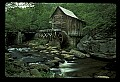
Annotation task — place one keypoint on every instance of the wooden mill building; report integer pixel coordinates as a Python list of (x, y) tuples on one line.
[(67, 21)]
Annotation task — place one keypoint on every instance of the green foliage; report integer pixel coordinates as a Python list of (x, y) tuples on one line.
[(39, 41), (37, 17)]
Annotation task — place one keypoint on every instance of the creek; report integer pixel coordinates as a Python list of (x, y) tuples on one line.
[(79, 68)]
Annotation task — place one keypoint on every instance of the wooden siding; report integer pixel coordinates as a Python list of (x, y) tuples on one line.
[(59, 20), (72, 26)]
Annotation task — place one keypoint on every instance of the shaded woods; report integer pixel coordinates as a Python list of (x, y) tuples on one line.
[(36, 15), (93, 56)]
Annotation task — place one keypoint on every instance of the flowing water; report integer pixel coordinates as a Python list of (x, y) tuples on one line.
[(80, 68)]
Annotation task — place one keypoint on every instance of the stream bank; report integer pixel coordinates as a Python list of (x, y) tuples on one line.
[(43, 60)]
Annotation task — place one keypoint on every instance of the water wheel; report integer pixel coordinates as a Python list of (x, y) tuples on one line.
[(60, 37), (63, 38)]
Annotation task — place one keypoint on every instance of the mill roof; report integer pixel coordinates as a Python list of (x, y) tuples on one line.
[(68, 12)]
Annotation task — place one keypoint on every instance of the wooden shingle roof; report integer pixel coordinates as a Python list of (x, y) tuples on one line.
[(68, 12)]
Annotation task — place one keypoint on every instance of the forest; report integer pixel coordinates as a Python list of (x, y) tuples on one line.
[(34, 49), (38, 15)]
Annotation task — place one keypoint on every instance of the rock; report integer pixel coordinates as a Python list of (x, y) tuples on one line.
[(49, 48), (54, 48), (57, 53), (24, 74), (41, 47), (29, 59), (98, 45), (80, 46), (83, 45), (35, 72), (103, 56), (16, 55), (56, 58), (54, 51), (101, 77), (40, 67), (53, 62), (54, 43), (78, 54), (64, 52), (44, 51), (68, 57), (111, 45), (50, 64), (47, 45)]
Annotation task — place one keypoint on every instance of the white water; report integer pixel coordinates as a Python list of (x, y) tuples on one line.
[(66, 64), (64, 68), (19, 49)]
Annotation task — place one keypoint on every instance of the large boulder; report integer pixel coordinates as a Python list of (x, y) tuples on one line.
[(102, 48), (83, 45)]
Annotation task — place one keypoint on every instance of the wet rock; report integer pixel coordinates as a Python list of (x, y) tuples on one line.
[(56, 58), (101, 77), (64, 52), (50, 64), (57, 53), (8, 57), (40, 67), (54, 43), (54, 48), (19, 63), (68, 57), (31, 59), (53, 62), (35, 72), (62, 61), (103, 56), (44, 51), (24, 74), (41, 47), (16, 55), (49, 48), (84, 43), (54, 51), (98, 45), (56, 70), (78, 54)]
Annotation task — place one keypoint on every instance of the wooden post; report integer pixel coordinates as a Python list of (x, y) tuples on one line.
[(19, 38)]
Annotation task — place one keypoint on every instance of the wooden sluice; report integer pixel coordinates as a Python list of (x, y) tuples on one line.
[(49, 34)]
